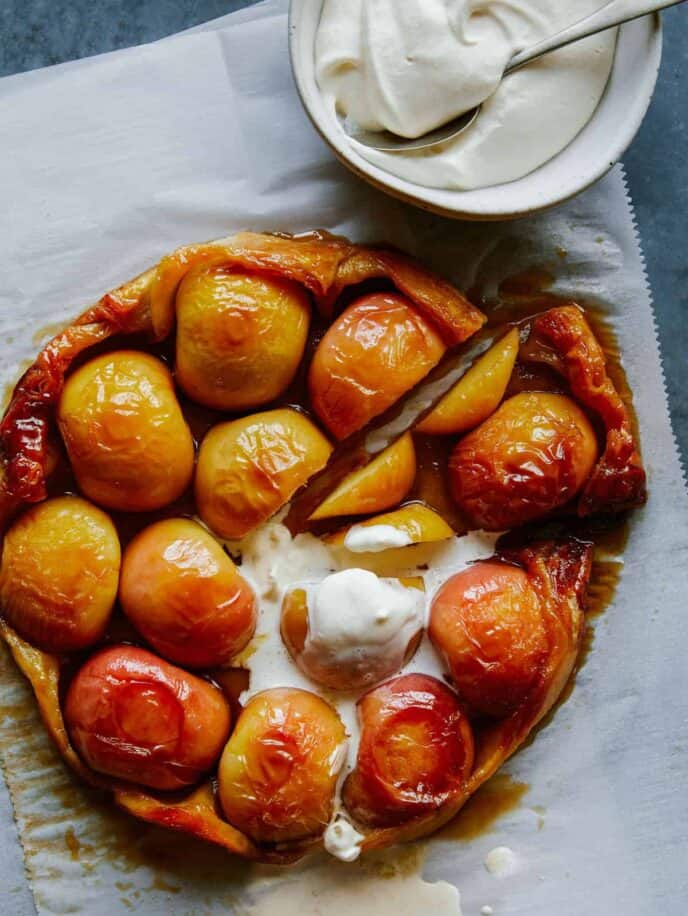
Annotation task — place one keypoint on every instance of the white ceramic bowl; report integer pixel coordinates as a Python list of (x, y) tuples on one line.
[(593, 152)]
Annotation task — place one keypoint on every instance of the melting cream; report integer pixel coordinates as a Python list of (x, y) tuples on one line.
[(272, 561), (342, 840), (375, 538), (410, 67), (361, 623)]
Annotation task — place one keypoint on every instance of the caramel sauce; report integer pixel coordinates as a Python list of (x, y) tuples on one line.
[(499, 795), (526, 282), (120, 839), (431, 485), (73, 844)]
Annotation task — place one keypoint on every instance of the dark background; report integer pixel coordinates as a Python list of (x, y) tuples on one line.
[(36, 33)]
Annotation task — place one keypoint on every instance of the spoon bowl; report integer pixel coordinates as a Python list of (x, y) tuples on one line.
[(387, 142)]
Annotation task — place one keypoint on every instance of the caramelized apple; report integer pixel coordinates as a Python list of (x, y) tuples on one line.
[(414, 523), (240, 336), (353, 629), (134, 716), (382, 483), (486, 622), (278, 772), (416, 750), (58, 579), (376, 350), (126, 437), (477, 394), (530, 457), (249, 468), (185, 596)]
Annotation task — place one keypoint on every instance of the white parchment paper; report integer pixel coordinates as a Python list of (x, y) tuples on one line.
[(109, 163)]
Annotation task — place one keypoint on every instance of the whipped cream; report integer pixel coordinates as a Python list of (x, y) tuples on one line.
[(375, 538), (356, 619), (410, 67), (342, 840)]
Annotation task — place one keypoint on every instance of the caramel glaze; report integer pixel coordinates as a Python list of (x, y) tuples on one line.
[(519, 299)]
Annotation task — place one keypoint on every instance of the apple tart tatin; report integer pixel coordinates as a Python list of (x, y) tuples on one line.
[(420, 618)]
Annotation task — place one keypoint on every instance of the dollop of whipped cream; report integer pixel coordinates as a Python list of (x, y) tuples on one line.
[(375, 538), (410, 67), (363, 623), (342, 840)]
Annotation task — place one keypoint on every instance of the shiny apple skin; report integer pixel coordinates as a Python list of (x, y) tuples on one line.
[(278, 772), (375, 351), (133, 716), (185, 596), (530, 457), (416, 751), (477, 394), (378, 485), (59, 574), (249, 468), (486, 623), (240, 336), (126, 437)]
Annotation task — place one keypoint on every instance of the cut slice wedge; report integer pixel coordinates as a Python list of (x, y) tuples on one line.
[(381, 484), (477, 394)]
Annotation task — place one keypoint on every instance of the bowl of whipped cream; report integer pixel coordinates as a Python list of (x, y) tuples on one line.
[(544, 133)]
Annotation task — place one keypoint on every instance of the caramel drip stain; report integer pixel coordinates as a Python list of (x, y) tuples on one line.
[(526, 283), (540, 811), (499, 795), (161, 885), (73, 844), (406, 861), (603, 584)]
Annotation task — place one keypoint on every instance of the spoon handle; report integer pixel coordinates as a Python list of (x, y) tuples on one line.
[(614, 13)]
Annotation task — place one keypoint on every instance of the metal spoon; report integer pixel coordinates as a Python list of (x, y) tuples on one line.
[(613, 14)]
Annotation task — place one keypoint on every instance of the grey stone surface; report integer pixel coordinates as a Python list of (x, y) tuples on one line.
[(36, 33)]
